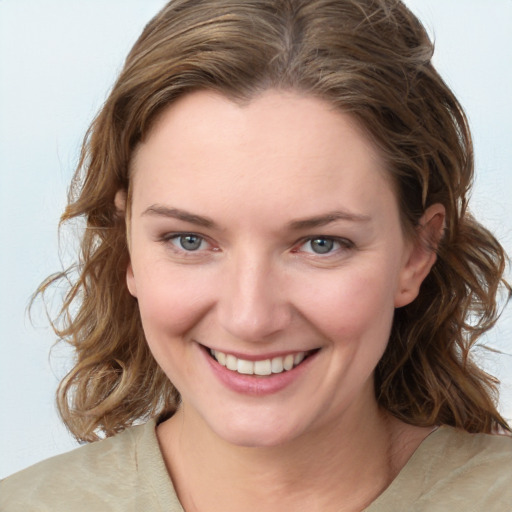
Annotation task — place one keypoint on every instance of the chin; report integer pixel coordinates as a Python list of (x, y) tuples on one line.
[(258, 433)]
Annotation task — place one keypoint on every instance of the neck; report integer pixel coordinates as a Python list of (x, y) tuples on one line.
[(336, 467)]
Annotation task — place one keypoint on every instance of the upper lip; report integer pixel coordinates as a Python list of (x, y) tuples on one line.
[(260, 357)]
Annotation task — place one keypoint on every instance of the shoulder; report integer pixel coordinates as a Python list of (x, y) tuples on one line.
[(486, 454), (470, 472), (112, 474)]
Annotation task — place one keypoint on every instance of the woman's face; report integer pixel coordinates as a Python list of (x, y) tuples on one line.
[(267, 258)]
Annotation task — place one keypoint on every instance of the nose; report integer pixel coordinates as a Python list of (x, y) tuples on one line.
[(253, 305)]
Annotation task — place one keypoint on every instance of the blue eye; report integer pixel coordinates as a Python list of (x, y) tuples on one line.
[(189, 242), (189, 245), (321, 245)]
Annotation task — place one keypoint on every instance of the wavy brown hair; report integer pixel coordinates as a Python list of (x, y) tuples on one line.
[(368, 58)]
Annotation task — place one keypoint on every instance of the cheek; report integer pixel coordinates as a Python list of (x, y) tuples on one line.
[(170, 302), (170, 305), (351, 304)]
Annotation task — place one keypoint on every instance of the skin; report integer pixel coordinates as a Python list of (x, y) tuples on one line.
[(244, 179)]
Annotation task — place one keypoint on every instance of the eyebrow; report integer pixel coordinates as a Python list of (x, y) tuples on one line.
[(327, 218), (176, 213), (296, 225)]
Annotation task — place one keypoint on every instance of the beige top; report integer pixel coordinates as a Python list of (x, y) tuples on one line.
[(451, 471)]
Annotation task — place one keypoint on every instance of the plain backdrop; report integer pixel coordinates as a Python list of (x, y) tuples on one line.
[(58, 59)]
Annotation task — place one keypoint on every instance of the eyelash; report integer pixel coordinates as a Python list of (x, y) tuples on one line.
[(343, 244), (175, 237)]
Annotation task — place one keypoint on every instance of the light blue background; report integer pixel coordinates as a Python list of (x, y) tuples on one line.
[(58, 59)]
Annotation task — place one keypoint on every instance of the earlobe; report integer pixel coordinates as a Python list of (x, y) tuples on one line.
[(422, 254), (130, 281), (120, 202)]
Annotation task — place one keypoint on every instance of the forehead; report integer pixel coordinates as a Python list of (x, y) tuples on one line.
[(278, 147)]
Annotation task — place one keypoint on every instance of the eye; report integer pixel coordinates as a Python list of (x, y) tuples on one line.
[(187, 241), (324, 245), (321, 245)]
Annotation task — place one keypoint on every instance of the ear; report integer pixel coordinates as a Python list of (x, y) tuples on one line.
[(421, 255), (120, 203), (130, 280)]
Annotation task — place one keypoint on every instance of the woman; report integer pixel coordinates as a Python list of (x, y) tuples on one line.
[(279, 274)]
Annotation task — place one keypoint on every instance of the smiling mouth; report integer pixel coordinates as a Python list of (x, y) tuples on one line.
[(263, 367)]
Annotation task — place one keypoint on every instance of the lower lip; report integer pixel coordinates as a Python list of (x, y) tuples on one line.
[(255, 384)]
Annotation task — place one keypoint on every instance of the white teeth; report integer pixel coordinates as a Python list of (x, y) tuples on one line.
[(288, 362), (277, 365), (231, 362), (245, 367), (221, 357), (298, 358), (262, 367)]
